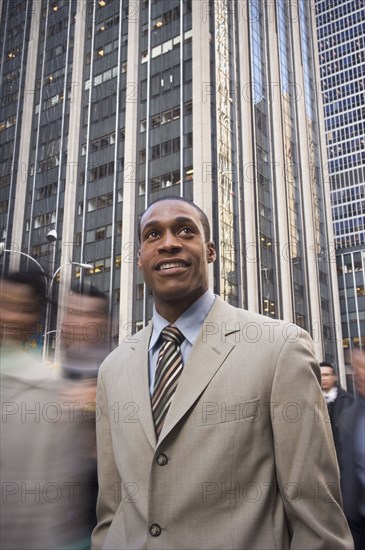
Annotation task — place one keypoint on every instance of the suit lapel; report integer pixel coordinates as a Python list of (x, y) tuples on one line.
[(209, 352), (139, 381)]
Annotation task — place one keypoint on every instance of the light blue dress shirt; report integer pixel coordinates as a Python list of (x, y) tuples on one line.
[(189, 324)]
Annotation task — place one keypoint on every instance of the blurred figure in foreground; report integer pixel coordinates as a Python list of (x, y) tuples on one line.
[(352, 434), (337, 400), (85, 338), (47, 447), (28, 456)]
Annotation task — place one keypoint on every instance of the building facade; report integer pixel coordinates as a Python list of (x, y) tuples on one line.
[(111, 104), (341, 44)]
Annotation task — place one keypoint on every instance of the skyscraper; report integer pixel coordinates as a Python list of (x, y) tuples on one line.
[(110, 104), (341, 44)]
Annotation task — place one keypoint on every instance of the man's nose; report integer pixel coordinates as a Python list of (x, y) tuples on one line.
[(169, 242)]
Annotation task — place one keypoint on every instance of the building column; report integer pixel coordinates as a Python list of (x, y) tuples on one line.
[(203, 90), (25, 137), (130, 184), (73, 156), (243, 95)]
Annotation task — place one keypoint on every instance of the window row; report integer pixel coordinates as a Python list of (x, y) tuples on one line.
[(350, 240), (166, 46), (55, 29), (344, 119), (44, 192), (357, 159), (11, 75), (106, 24), (161, 149), (101, 171), (102, 201), (99, 143), (42, 220), (162, 20), (344, 104), (166, 180), (52, 77), (333, 12), (342, 49), (105, 76), (333, 80), (348, 210), (167, 116), (345, 90), (338, 38), (56, 51), (346, 132), (7, 123), (49, 163), (15, 30), (4, 206), (99, 234), (340, 24)]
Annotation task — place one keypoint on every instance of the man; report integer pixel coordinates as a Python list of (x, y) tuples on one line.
[(85, 338), (85, 333), (337, 400), (242, 457), (28, 458), (352, 435)]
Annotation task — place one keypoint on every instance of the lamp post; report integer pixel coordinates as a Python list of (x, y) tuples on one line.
[(48, 305)]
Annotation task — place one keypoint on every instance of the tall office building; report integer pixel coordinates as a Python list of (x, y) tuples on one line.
[(341, 44), (110, 104)]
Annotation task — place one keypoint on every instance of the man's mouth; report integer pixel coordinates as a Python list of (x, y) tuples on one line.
[(170, 265)]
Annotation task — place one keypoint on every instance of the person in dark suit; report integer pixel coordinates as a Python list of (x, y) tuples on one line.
[(235, 463), (352, 436), (337, 400)]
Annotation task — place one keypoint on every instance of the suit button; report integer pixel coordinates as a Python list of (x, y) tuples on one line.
[(155, 530), (162, 459)]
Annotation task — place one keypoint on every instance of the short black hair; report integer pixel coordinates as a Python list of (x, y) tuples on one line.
[(34, 279), (326, 364), (202, 215)]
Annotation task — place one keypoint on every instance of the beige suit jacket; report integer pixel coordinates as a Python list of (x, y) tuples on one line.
[(245, 459)]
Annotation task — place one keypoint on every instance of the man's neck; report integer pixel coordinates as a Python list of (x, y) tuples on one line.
[(171, 311)]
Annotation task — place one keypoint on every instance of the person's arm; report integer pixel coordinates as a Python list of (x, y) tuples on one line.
[(306, 464), (108, 476)]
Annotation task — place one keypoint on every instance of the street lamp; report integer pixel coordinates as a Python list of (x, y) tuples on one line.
[(48, 304)]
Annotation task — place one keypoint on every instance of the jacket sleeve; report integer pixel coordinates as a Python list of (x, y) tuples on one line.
[(108, 476), (306, 464)]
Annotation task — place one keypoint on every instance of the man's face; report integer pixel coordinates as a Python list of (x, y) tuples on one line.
[(173, 255), (328, 378), (19, 311), (85, 322)]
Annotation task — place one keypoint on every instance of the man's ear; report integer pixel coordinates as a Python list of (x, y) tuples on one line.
[(139, 263), (211, 252)]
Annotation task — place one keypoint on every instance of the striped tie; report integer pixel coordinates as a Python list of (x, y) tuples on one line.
[(168, 370)]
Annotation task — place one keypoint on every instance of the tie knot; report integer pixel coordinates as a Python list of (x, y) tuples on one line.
[(172, 334)]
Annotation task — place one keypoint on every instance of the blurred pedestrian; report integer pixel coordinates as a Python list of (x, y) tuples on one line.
[(28, 454), (85, 341), (337, 400), (352, 434)]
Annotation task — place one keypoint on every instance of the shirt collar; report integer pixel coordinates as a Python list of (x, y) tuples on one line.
[(189, 322)]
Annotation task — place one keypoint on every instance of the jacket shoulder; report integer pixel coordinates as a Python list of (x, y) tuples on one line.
[(120, 357)]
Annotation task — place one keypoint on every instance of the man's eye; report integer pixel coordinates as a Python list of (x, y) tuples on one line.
[(152, 235), (187, 230)]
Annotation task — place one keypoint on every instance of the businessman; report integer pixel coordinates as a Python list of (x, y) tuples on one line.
[(211, 430)]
